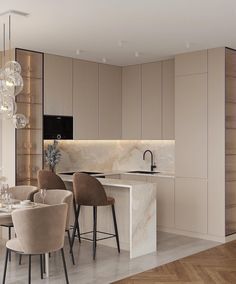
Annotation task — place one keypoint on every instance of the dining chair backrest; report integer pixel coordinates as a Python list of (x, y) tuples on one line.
[(88, 190), (57, 196), (23, 192), (40, 230), (50, 180)]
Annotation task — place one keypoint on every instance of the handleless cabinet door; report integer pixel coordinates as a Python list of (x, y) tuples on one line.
[(110, 113), (191, 204), (152, 100), (85, 99), (57, 85), (168, 99), (131, 102), (191, 126)]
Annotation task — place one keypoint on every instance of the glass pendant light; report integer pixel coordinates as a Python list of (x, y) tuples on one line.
[(8, 106), (20, 121), (12, 67)]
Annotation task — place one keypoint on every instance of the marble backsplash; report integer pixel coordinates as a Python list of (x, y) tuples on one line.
[(115, 155)]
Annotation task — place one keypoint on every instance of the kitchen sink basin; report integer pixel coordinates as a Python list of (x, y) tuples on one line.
[(143, 172)]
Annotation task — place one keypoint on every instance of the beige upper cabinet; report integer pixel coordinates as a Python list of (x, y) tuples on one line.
[(110, 102), (57, 85), (152, 101), (85, 99), (191, 126), (168, 99), (131, 102), (191, 63)]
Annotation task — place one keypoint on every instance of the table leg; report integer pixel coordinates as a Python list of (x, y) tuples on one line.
[(47, 264)]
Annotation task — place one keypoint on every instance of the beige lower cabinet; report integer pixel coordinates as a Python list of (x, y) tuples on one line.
[(133, 177), (191, 204), (165, 190)]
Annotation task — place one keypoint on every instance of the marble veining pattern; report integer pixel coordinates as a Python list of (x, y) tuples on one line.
[(124, 155)]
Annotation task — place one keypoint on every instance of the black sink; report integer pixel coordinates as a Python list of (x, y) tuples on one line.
[(143, 172)]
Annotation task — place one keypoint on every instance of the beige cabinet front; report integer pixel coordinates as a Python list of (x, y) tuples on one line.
[(191, 204), (85, 99), (191, 126), (110, 100), (57, 85), (165, 190), (152, 101), (131, 102)]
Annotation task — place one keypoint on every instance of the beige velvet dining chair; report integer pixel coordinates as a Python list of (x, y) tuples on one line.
[(21, 192), (58, 196), (39, 230)]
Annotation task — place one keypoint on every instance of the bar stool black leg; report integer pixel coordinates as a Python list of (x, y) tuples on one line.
[(5, 266), (75, 226), (94, 231), (76, 220), (64, 264), (41, 266), (71, 248), (115, 227), (20, 259), (29, 279), (9, 237)]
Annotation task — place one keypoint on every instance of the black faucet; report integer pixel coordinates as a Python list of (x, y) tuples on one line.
[(153, 166)]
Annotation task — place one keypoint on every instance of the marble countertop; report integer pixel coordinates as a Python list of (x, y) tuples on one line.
[(110, 181)]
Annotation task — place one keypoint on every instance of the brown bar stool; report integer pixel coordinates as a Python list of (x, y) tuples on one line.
[(88, 191), (50, 180)]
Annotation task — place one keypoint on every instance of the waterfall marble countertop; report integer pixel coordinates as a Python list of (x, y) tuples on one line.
[(135, 210)]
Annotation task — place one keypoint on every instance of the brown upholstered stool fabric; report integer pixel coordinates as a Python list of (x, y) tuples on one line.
[(88, 191), (49, 180)]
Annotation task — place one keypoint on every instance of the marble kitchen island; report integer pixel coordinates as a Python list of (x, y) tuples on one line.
[(135, 205)]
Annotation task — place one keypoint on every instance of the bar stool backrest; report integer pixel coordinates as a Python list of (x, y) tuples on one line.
[(50, 180), (40, 230), (88, 191)]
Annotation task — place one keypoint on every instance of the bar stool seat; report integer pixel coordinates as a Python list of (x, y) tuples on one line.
[(88, 191), (14, 245)]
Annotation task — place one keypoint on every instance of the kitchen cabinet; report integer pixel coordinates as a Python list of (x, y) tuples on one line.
[(151, 101), (191, 204), (165, 194), (85, 100), (131, 102), (133, 177), (191, 63), (168, 99), (57, 85), (191, 126), (110, 102)]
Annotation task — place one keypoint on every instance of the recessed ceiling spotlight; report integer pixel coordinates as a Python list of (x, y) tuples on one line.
[(104, 60), (136, 54)]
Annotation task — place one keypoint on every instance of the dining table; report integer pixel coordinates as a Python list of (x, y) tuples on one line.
[(6, 218)]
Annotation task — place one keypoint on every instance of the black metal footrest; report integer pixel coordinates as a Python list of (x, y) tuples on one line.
[(91, 232)]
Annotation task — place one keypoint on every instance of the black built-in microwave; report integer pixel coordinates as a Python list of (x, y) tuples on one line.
[(57, 127)]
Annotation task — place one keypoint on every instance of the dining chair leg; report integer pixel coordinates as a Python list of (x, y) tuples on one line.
[(5, 266), (64, 265), (41, 266), (94, 231), (71, 248), (75, 225), (9, 237), (115, 227), (29, 271), (76, 219), (20, 259)]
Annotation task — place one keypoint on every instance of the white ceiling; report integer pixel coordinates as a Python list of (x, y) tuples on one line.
[(155, 28)]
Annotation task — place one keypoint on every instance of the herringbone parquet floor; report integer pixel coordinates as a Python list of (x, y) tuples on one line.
[(216, 265)]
